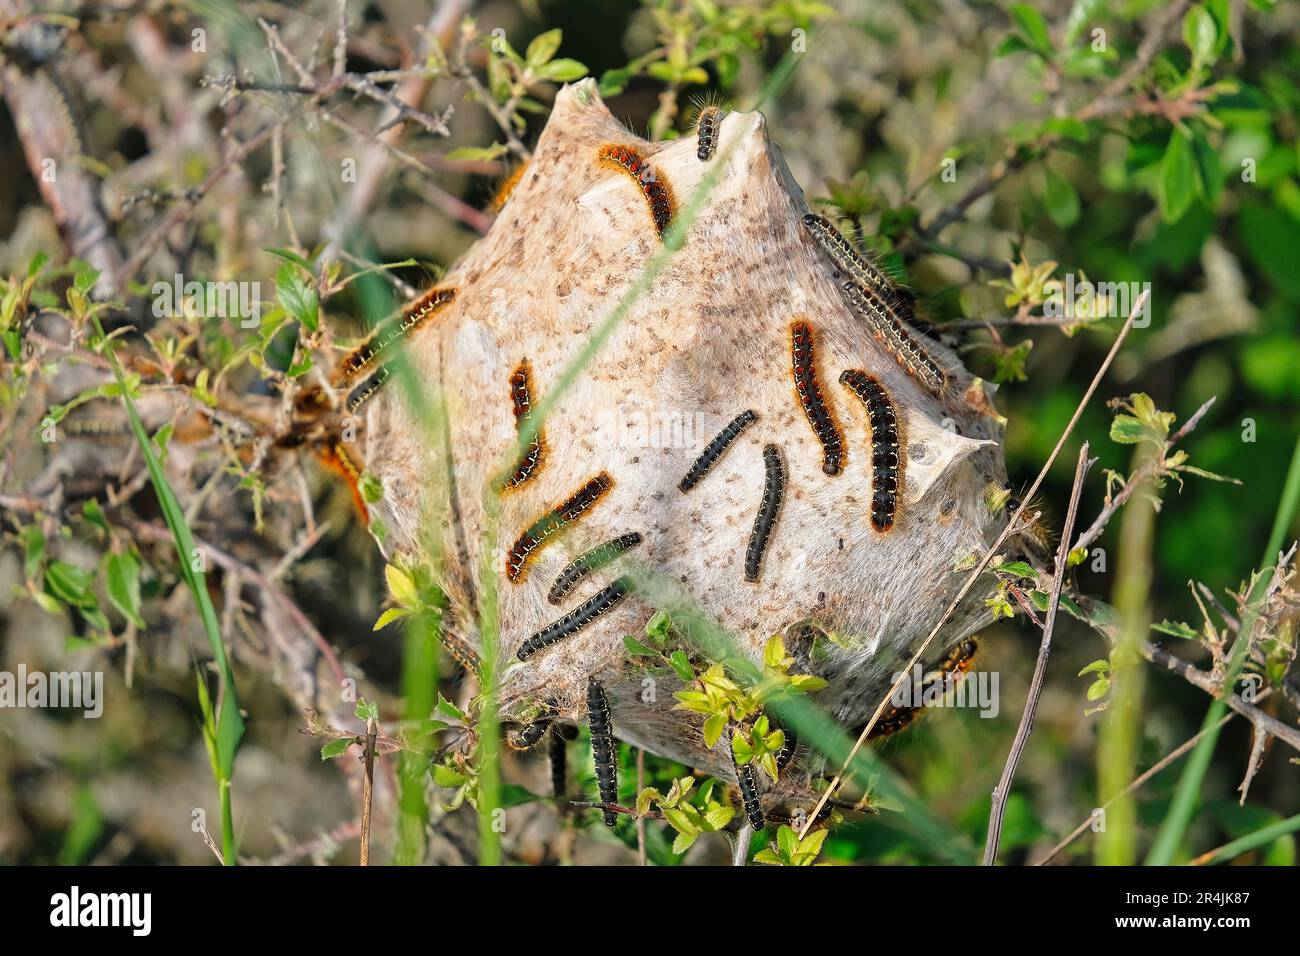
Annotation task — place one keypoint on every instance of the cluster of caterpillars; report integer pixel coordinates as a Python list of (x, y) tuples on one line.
[(886, 311)]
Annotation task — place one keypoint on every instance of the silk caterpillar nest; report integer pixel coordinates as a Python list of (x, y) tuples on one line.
[(707, 342)]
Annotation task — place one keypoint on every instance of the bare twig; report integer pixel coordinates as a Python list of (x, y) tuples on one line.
[(368, 789), (1003, 790)]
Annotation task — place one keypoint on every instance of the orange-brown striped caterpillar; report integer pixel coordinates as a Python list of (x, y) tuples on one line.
[(899, 340), (706, 132), (747, 781), (603, 600), (412, 317), (886, 463), (602, 747), (595, 559), (809, 392), (521, 397), (714, 449), (554, 522), (769, 507), (658, 194), (461, 653)]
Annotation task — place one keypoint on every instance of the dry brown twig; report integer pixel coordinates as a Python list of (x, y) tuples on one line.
[(1003, 789)]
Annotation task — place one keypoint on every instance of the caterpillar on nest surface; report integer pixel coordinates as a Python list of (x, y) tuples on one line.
[(747, 539)]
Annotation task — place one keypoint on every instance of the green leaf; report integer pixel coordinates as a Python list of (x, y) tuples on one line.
[(297, 296), (1176, 629), (290, 256), (637, 649), (367, 710), (543, 47), (401, 586), (1209, 172), (123, 585), (336, 748), (682, 665), (1061, 199), (1200, 34), (1177, 186), (1033, 27), (1099, 688), (1016, 569), (68, 583), (1127, 430), (477, 154), (389, 616), (713, 728), (563, 70)]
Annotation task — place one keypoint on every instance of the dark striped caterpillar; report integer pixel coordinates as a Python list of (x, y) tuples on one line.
[(788, 748), (714, 450), (553, 522), (886, 462), (706, 132), (412, 317), (765, 520), (595, 559), (809, 392), (848, 261), (602, 747), (367, 389), (658, 195), (573, 622), (956, 661), (521, 398), (747, 781), (557, 753), (525, 737), (899, 340)]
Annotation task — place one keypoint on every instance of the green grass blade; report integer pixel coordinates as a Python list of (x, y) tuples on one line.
[(1251, 841), (229, 723)]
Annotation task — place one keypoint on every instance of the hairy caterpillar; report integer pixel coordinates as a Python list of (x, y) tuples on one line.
[(595, 559), (814, 405), (848, 261), (901, 342), (886, 463), (557, 753), (553, 522), (521, 397), (602, 747), (714, 450), (413, 316), (502, 194), (332, 455), (747, 781), (765, 520), (461, 652), (367, 389), (706, 132), (658, 194), (956, 661), (573, 622), (788, 748), (527, 736)]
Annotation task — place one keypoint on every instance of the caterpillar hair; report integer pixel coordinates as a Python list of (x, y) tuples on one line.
[(411, 318)]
